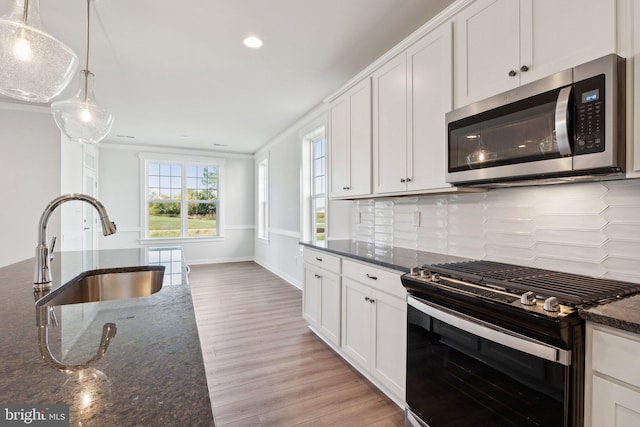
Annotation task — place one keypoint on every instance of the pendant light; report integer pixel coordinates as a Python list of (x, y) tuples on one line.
[(80, 117), (34, 66)]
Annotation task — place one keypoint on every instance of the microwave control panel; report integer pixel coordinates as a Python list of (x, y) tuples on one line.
[(589, 116)]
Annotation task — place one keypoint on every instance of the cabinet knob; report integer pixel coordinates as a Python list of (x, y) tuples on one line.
[(372, 277), (366, 298), (408, 179), (403, 180), (524, 68), (371, 300), (318, 259), (512, 73), (346, 188), (318, 276)]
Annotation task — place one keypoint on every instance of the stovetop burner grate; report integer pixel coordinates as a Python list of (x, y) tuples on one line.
[(570, 289)]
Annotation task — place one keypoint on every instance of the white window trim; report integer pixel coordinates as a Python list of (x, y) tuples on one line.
[(145, 159), (319, 129), (260, 160)]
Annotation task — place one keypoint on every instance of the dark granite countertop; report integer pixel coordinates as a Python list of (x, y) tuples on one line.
[(400, 259), (152, 372), (622, 314)]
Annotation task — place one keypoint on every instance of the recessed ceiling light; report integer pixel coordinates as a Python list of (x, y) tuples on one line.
[(253, 42)]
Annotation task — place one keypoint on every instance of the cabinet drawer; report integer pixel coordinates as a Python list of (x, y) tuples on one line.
[(384, 280), (322, 260), (616, 354)]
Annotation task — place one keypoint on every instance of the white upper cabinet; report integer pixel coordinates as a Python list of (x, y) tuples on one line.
[(350, 143), (390, 126), (411, 94), (502, 44), (430, 93)]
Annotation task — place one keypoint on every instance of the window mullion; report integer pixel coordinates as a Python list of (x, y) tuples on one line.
[(183, 202)]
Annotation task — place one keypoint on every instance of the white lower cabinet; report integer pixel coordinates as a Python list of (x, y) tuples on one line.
[(612, 378), (374, 327), (321, 294), (363, 312)]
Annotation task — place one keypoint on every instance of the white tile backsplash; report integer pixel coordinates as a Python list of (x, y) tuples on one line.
[(587, 228)]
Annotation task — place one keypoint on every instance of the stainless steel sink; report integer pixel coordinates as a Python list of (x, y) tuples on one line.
[(107, 284)]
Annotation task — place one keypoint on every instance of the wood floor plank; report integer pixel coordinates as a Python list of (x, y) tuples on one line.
[(264, 366)]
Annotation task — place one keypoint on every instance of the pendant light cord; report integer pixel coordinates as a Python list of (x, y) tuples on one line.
[(26, 12), (86, 68)]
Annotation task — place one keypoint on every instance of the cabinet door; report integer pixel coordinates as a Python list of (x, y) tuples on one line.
[(339, 148), (487, 49), (390, 126), (330, 307), (390, 341), (360, 139), (312, 294), (356, 322), (614, 405), (430, 89), (350, 142), (556, 35)]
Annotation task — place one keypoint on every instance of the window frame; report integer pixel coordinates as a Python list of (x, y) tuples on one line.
[(184, 162), (313, 133), (262, 214)]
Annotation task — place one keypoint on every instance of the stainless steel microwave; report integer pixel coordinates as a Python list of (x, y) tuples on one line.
[(568, 126)]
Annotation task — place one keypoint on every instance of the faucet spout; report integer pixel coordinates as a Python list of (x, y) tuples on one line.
[(42, 275)]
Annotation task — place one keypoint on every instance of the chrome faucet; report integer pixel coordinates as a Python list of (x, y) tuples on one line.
[(42, 276)]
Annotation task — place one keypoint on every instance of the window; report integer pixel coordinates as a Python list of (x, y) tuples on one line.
[(314, 188), (182, 199), (318, 187), (263, 199)]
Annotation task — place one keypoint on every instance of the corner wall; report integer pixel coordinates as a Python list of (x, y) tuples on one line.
[(30, 176)]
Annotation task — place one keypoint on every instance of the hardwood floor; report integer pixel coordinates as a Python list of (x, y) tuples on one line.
[(264, 367)]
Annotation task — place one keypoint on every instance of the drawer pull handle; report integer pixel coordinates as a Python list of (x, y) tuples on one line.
[(319, 259), (372, 277)]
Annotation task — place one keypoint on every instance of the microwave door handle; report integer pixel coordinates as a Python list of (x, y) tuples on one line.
[(562, 121)]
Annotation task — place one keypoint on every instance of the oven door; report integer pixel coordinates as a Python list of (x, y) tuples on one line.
[(462, 372)]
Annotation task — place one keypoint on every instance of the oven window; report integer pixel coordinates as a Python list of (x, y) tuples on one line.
[(457, 379)]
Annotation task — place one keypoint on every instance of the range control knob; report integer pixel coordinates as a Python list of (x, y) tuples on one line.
[(551, 304), (435, 277), (528, 298)]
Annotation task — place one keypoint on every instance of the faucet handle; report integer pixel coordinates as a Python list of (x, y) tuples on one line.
[(51, 246)]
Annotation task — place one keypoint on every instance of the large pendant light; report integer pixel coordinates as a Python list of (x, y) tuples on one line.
[(80, 117), (34, 66)]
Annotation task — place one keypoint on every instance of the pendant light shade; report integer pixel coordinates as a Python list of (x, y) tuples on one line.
[(80, 118), (34, 66)]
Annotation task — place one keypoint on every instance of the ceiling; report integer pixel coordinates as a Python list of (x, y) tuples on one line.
[(175, 73)]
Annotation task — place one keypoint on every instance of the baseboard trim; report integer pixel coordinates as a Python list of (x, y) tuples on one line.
[(280, 274), (218, 260)]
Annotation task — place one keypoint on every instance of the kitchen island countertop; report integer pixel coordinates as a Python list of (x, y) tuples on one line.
[(152, 373)]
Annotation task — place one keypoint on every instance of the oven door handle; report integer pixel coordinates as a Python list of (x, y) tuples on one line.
[(494, 333)]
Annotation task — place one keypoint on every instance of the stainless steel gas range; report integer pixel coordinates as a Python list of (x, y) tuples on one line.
[(497, 344)]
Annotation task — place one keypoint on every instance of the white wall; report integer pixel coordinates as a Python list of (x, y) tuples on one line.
[(282, 253), (30, 176), (71, 182), (120, 187)]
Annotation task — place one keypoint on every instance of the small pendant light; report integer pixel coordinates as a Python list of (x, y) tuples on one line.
[(34, 66), (80, 117)]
